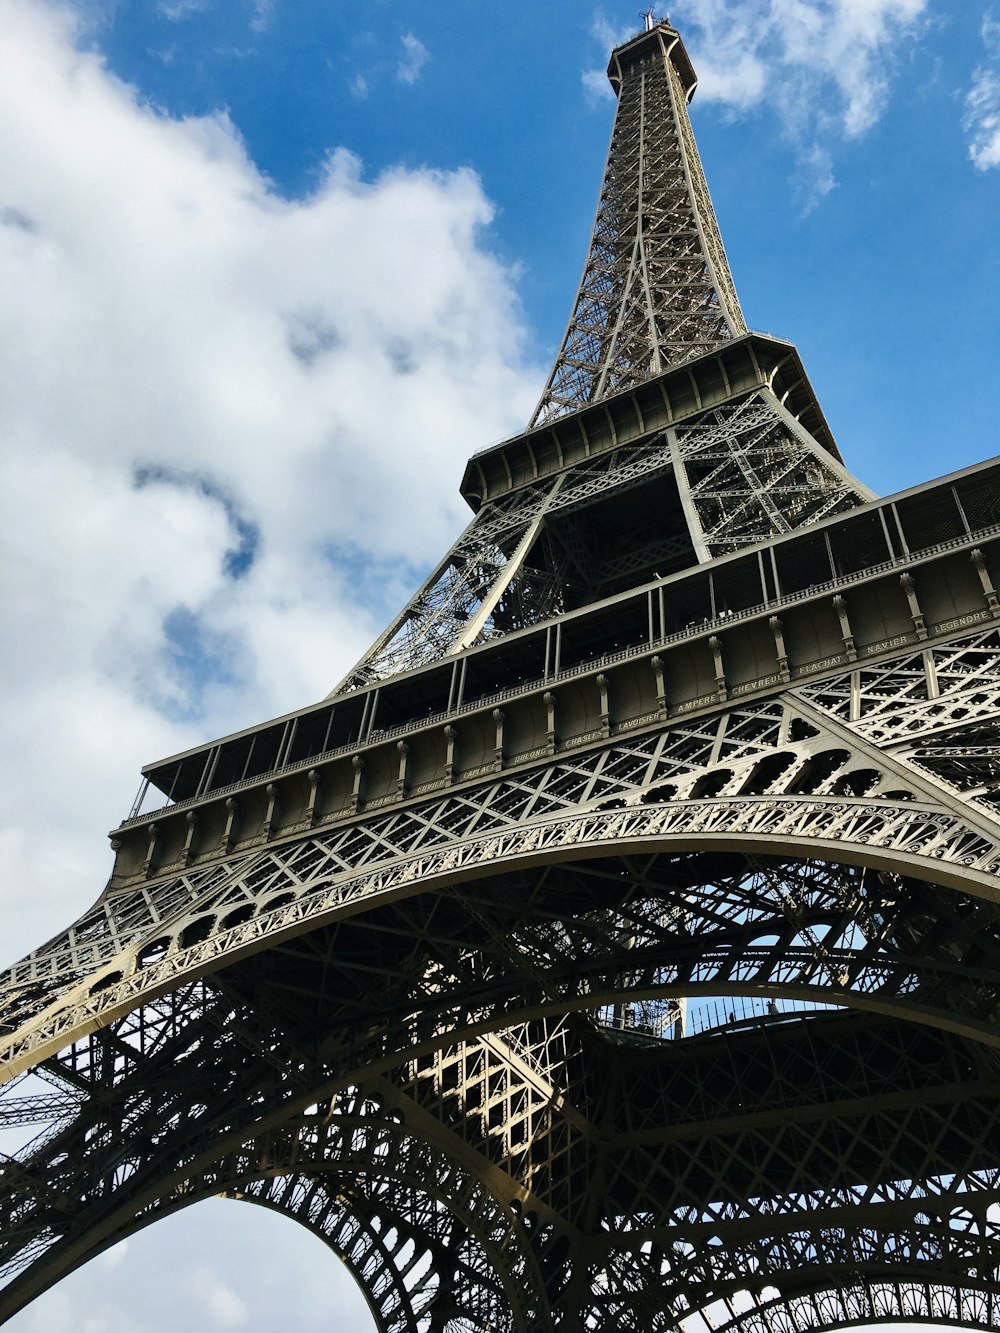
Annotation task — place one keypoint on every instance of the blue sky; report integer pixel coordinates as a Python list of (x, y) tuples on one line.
[(272, 269), (864, 232)]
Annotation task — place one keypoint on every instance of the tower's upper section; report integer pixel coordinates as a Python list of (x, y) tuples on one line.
[(656, 288)]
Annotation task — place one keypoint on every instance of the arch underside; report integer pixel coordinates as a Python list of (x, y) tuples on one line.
[(433, 1249), (449, 1260), (837, 1287), (514, 1039), (784, 776), (456, 1033), (457, 1030)]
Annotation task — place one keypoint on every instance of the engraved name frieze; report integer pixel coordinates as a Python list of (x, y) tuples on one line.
[(582, 739), (700, 702), (379, 801), (631, 723), (824, 662), (885, 644), (960, 621), (761, 683), (539, 752)]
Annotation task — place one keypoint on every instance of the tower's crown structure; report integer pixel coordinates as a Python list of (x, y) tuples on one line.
[(657, 381), (656, 288), (617, 947)]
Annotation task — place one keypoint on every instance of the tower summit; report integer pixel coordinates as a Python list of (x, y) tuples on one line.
[(617, 947), (655, 333), (656, 288)]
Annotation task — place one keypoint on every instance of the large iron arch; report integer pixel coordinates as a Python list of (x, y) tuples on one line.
[(902, 837)]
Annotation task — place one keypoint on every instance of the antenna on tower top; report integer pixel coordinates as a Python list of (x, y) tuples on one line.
[(650, 18)]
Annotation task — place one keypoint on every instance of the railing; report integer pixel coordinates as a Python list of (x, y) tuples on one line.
[(691, 631), (743, 1012), (719, 1014)]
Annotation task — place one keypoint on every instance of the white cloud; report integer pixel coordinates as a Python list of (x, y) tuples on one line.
[(233, 427), (597, 85), (982, 104), (263, 12), (595, 81), (216, 1299), (177, 10), (266, 1272), (113, 1258), (813, 60), (817, 178), (824, 66), (359, 87), (415, 57), (608, 35)]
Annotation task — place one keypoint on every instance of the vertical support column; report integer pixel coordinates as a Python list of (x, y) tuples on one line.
[(329, 729), (402, 782), (191, 819), (916, 615), (779, 646), (453, 685), (154, 838), (371, 715), (602, 685), (229, 832), (208, 772), (846, 633), (661, 687), (450, 737), (989, 592), (287, 741), (140, 797), (720, 675), (315, 786), (358, 764), (550, 721), (499, 718), (272, 810)]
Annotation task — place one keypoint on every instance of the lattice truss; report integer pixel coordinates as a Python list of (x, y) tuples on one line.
[(735, 770), (656, 291), (822, 1151), (514, 567), (751, 471), (656, 288), (414, 1226), (400, 1035), (938, 709), (471, 579)]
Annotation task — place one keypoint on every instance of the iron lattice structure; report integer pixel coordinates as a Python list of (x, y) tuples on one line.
[(618, 947), (656, 288)]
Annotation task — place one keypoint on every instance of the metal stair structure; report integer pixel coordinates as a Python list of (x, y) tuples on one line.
[(618, 946)]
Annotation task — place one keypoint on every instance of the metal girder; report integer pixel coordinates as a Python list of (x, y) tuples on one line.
[(736, 475), (656, 288), (767, 773), (907, 1097), (433, 990)]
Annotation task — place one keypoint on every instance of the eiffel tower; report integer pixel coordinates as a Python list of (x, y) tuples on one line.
[(618, 946)]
